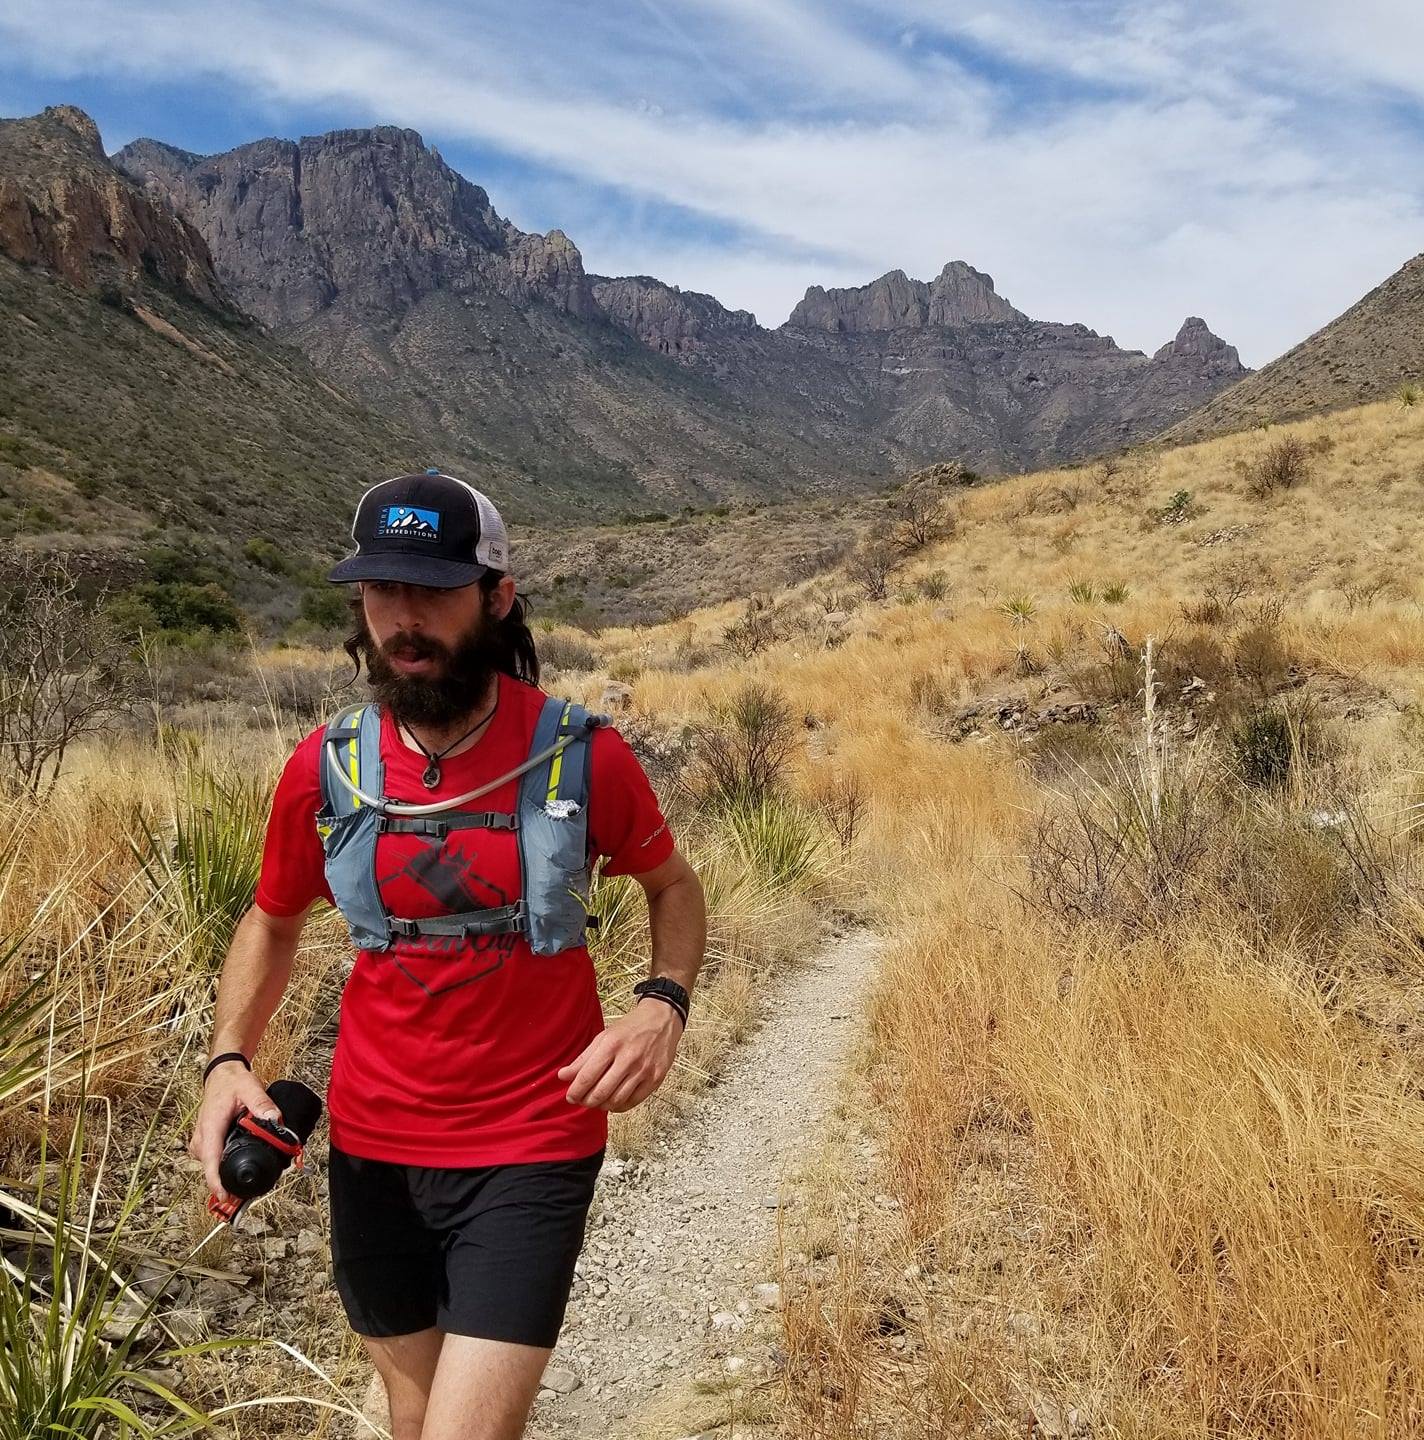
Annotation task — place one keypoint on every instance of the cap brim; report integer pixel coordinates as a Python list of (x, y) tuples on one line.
[(427, 570)]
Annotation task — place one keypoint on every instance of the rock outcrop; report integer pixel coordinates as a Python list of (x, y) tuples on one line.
[(671, 321), (961, 295), (64, 207)]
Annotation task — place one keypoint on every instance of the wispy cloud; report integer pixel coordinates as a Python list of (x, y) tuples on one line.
[(1118, 162)]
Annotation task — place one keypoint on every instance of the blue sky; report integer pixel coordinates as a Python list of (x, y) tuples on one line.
[(1123, 163)]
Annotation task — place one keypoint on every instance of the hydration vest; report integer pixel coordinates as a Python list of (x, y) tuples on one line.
[(550, 825)]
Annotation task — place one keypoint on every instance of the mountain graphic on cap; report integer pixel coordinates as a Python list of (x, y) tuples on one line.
[(411, 521)]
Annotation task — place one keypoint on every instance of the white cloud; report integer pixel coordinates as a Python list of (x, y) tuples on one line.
[(1187, 166)]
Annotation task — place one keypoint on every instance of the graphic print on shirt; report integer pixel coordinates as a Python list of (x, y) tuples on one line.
[(442, 963)]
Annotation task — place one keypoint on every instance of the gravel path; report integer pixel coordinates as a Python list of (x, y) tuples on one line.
[(679, 1243)]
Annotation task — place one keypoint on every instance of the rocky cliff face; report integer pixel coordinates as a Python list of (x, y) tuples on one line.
[(399, 279), (372, 216), (671, 321), (1367, 353), (961, 295), (64, 207)]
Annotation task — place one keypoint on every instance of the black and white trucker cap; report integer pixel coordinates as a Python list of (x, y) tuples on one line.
[(429, 529)]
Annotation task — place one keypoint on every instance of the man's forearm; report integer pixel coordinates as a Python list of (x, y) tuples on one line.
[(677, 919), (254, 977)]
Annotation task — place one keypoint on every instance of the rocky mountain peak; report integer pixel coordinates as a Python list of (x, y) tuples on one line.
[(75, 119), (65, 207), (1196, 344), (960, 295), (373, 218)]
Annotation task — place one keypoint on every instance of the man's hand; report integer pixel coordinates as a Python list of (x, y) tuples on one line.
[(229, 1088), (622, 1066)]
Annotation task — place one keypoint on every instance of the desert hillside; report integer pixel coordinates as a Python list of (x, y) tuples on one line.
[(1116, 771)]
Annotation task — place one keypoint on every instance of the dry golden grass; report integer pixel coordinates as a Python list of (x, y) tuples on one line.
[(1168, 1176), (1162, 1168)]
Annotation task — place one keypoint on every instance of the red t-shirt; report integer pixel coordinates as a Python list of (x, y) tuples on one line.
[(448, 1050)]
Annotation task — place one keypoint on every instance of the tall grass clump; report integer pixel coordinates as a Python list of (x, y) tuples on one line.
[(205, 864)]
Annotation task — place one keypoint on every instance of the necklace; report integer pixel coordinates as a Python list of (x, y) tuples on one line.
[(430, 777)]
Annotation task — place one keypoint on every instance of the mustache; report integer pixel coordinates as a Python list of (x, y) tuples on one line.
[(415, 646)]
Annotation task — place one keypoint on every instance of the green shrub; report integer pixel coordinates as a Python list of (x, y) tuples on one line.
[(327, 607), (1273, 744), (1115, 593), (1082, 592), (264, 554), (1178, 508)]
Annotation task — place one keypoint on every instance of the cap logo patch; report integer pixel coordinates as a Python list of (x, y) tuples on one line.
[(409, 520)]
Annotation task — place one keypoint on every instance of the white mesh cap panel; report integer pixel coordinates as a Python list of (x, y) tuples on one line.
[(493, 547)]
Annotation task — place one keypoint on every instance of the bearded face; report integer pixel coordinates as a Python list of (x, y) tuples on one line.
[(452, 683)]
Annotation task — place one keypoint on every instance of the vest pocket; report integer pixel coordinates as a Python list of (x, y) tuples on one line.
[(349, 843), (556, 878)]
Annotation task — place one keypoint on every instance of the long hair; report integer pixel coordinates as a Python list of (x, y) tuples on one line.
[(511, 640)]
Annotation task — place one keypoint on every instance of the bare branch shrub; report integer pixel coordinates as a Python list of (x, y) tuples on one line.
[(843, 802), (924, 516), (64, 670), (1282, 465), (751, 634), (742, 752), (873, 562)]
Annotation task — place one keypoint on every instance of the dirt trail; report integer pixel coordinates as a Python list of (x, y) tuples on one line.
[(678, 1244)]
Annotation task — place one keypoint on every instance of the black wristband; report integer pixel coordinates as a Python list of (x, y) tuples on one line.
[(668, 991), (223, 1059), (667, 1000)]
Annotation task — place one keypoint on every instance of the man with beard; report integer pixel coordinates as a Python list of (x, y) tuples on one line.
[(473, 1073)]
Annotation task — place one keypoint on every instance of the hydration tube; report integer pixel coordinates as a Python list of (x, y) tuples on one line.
[(400, 809)]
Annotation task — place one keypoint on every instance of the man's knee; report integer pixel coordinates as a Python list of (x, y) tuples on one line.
[(406, 1366)]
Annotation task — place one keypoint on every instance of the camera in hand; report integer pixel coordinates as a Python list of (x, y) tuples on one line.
[(257, 1151)]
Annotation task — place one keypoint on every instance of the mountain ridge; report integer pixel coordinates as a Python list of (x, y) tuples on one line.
[(1363, 354), (396, 274)]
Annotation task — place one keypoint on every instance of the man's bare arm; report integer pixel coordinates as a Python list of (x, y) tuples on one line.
[(623, 1065), (254, 977)]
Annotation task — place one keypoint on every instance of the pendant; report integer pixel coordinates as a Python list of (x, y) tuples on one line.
[(431, 778)]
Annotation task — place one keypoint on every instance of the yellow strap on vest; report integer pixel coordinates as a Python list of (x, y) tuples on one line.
[(353, 755), (557, 768)]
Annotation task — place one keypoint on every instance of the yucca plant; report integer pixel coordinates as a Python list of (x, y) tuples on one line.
[(780, 840), (1020, 609), (1408, 396), (1082, 592), (70, 1324), (1114, 593), (206, 866)]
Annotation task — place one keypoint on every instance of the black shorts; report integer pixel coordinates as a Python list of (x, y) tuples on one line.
[(487, 1251)]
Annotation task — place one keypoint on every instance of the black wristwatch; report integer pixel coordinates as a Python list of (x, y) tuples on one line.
[(668, 991)]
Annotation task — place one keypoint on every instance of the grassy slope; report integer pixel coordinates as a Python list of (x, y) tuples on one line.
[(110, 428), (1163, 1167)]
